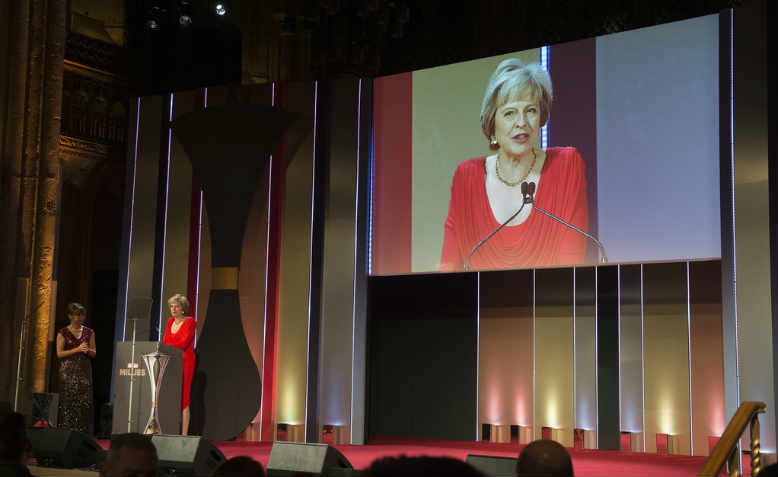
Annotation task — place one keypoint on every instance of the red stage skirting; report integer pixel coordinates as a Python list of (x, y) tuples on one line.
[(585, 462)]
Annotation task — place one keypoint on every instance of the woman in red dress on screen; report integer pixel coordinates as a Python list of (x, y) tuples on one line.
[(180, 332), (486, 191)]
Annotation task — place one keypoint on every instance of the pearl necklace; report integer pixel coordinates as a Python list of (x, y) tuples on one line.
[(514, 184)]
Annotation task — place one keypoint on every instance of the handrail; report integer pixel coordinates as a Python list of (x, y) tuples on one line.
[(726, 449)]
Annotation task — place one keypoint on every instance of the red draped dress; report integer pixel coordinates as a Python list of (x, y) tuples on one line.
[(538, 241), (183, 339)]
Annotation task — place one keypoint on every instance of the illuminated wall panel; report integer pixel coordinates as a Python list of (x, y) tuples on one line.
[(666, 365), (142, 242), (585, 349), (707, 364), (295, 264), (341, 104), (505, 349), (251, 280), (554, 351), (631, 348), (178, 212), (755, 310)]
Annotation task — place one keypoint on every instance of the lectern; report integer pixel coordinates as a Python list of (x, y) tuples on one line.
[(147, 390)]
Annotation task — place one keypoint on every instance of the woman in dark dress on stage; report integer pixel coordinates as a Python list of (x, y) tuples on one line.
[(180, 332), (75, 349)]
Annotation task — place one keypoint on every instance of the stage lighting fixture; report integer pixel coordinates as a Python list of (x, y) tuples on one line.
[(221, 10), (184, 13), (152, 24)]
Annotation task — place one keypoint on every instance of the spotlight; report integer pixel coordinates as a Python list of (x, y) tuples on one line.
[(184, 13), (221, 10)]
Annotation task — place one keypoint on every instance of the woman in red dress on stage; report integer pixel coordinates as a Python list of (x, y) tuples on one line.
[(180, 332), (486, 191)]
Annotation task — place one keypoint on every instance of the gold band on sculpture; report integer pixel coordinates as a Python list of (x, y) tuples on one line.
[(224, 278)]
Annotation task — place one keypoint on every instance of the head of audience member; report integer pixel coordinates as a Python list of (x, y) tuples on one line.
[(15, 447), (544, 458), (423, 465), (769, 471), (241, 466), (131, 454)]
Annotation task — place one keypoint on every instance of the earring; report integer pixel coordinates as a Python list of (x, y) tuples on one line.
[(493, 142)]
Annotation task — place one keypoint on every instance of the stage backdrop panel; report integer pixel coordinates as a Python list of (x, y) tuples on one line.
[(756, 312), (666, 341), (707, 354), (422, 357), (585, 348), (144, 210), (505, 348), (341, 104), (554, 352), (294, 287), (631, 349)]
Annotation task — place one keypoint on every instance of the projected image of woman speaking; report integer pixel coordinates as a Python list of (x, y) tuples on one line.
[(486, 191)]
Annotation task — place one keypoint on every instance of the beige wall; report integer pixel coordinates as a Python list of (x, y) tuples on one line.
[(666, 341), (554, 352), (291, 352), (446, 131), (505, 365)]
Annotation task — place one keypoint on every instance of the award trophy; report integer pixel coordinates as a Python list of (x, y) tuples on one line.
[(155, 364)]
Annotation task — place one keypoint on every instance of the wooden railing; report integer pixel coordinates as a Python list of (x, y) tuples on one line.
[(727, 451)]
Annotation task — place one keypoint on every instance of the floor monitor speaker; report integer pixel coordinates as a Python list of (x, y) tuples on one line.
[(493, 466), (53, 447), (294, 458), (186, 455)]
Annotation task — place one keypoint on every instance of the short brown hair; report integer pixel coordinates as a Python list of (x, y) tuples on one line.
[(76, 309)]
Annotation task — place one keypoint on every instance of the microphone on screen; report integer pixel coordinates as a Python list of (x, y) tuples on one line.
[(529, 197), (525, 191)]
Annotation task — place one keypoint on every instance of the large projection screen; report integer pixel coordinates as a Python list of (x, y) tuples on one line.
[(631, 152)]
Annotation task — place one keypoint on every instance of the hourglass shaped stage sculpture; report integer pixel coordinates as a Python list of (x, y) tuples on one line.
[(156, 363), (229, 147)]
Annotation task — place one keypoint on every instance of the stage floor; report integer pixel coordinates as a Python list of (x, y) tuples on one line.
[(585, 462)]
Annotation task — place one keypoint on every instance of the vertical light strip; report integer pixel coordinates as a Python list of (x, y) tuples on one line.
[(544, 63), (199, 233), (267, 255), (732, 192), (596, 357), (618, 337), (132, 217), (575, 367), (164, 222), (199, 248), (370, 179), (356, 259), (534, 421), (689, 338), (310, 255), (478, 350), (732, 200), (643, 357)]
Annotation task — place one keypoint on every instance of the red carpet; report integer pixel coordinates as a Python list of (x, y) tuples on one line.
[(585, 462)]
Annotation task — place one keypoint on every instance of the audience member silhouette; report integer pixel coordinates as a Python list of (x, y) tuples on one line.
[(769, 471), (241, 466), (15, 447), (544, 458), (131, 454), (403, 465)]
